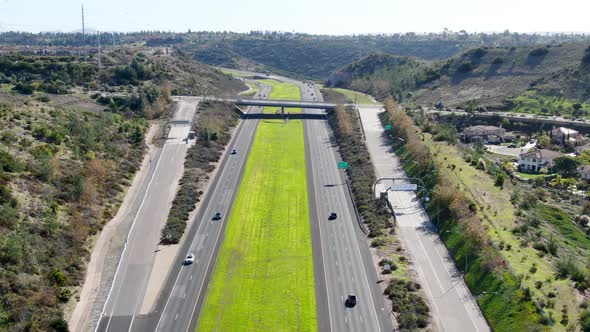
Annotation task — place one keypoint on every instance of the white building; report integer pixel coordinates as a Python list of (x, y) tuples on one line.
[(563, 135), (483, 133), (535, 160)]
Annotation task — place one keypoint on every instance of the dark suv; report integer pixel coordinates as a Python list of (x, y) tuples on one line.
[(350, 301), (217, 216), (332, 216)]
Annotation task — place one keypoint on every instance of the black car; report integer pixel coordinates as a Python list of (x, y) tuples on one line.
[(217, 216), (350, 301), (332, 216), (234, 151)]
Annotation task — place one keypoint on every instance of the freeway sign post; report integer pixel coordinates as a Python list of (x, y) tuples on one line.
[(404, 187), (342, 165)]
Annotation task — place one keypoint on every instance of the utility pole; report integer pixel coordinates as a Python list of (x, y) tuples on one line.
[(98, 38), (83, 33)]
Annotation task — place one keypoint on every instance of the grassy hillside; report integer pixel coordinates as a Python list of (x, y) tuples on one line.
[(67, 154), (123, 70), (296, 54), (484, 75), (62, 175)]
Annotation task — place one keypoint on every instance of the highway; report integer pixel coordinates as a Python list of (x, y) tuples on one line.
[(453, 307), (135, 265), (180, 301), (516, 117), (343, 252)]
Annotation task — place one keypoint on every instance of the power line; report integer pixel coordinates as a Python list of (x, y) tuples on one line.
[(83, 34)]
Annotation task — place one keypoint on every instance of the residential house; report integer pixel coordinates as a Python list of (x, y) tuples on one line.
[(564, 136), (535, 160), (486, 134)]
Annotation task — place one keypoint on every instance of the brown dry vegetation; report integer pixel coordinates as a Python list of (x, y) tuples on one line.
[(464, 233), (63, 173)]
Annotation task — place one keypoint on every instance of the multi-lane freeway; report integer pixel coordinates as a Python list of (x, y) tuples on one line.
[(343, 251), (135, 265), (184, 293), (342, 262)]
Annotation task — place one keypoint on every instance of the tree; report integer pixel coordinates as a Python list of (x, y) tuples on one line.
[(544, 141), (500, 180), (566, 166)]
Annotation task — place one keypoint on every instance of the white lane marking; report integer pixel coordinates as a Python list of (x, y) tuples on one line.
[(350, 227), (194, 239), (315, 189), (234, 187), (127, 240)]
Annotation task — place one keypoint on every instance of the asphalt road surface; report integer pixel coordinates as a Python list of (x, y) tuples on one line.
[(135, 265), (453, 306), (343, 251), (179, 305)]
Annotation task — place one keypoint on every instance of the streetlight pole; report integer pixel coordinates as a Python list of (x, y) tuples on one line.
[(418, 165)]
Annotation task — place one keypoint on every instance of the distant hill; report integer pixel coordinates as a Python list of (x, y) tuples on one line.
[(482, 75), (133, 66), (296, 54)]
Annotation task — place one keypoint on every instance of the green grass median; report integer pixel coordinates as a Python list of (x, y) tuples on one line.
[(264, 278)]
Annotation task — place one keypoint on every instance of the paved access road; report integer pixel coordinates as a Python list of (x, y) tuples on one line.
[(453, 306), (182, 296), (345, 265), (135, 265)]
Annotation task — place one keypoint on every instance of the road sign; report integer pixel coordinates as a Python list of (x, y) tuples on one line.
[(387, 127), (342, 165), (404, 187)]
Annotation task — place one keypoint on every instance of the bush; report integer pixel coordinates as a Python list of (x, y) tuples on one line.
[(59, 325), (466, 67), (498, 61), (24, 88), (413, 312), (585, 321), (541, 51), (378, 242)]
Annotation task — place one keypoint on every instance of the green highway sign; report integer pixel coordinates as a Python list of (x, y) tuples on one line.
[(387, 127), (342, 165)]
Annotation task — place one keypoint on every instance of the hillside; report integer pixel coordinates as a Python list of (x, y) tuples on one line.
[(122, 69), (292, 54), (71, 139), (482, 75), (62, 174)]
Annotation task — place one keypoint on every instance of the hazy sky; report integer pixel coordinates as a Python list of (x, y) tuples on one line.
[(312, 16)]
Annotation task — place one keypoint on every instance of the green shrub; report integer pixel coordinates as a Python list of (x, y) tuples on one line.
[(24, 88), (413, 312), (541, 51)]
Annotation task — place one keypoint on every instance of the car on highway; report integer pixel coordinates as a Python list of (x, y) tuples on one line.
[(332, 216), (234, 151), (350, 301), (217, 216), (190, 258)]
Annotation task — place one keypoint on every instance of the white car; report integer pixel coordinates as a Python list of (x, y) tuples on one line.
[(190, 258)]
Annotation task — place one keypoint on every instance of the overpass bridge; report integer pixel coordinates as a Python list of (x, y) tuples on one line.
[(277, 103)]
